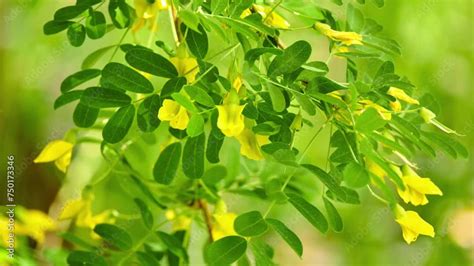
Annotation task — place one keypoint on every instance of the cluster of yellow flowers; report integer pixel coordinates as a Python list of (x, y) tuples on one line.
[(146, 12), (270, 17), (415, 191)]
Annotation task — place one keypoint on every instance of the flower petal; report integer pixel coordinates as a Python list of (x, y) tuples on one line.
[(53, 151)]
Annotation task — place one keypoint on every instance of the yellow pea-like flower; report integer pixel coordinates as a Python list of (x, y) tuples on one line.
[(174, 113), (396, 106), (412, 224), (384, 113), (401, 95), (223, 225), (250, 144), (57, 151), (146, 11), (269, 15), (416, 187), (187, 67), (81, 210), (347, 38), (231, 120)]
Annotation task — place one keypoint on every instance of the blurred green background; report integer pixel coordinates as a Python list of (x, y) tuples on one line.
[(437, 40)]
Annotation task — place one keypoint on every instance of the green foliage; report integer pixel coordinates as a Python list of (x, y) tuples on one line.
[(171, 116)]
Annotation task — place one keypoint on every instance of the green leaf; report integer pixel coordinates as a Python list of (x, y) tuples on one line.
[(147, 114), (292, 58), (66, 98), (239, 26), (95, 56), (379, 3), (289, 236), (195, 125), (199, 95), (173, 245), (173, 85), (370, 120), (166, 166), (78, 78), (253, 54), (334, 218), (213, 148), (197, 42), (120, 77), (214, 174), (190, 19), (218, 6), (267, 128), (277, 97), (87, 3), (147, 216), (325, 85), (114, 236), (250, 224), (95, 25), (327, 180), (85, 116), (337, 2), (53, 26), (355, 175), (104, 98), (193, 157), (390, 144), (76, 34), (355, 19), (119, 124), (69, 12), (441, 142), (119, 13), (225, 251), (84, 258), (184, 101), (309, 211), (384, 45), (151, 62), (146, 259), (262, 253)]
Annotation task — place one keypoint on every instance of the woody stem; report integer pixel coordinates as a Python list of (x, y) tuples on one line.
[(207, 217)]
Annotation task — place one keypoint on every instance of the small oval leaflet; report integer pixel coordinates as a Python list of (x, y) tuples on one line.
[(151, 62), (104, 98), (121, 77), (119, 124), (79, 78), (95, 25), (147, 216), (193, 157), (147, 114), (76, 34), (250, 224), (85, 116), (225, 250), (114, 236), (167, 164), (289, 236), (85, 258), (309, 211)]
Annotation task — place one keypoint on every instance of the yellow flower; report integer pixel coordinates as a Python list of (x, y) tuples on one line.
[(146, 11), (401, 95), (59, 151), (412, 224), (416, 187), (187, 67), (271, 19), (345, 37), (375, 169), (429, 117), (237, 83), (250, 144), (396, 106), (230, 120), (223, 225), (81, 210), (384, 113), (179, 222), (174, 113), (32, 223)]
